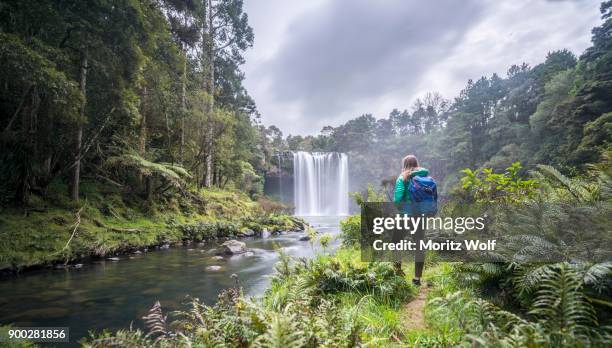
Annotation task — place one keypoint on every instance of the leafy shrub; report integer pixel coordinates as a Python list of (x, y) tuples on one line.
[(204, 230), (371, 195), (351, 230), (272, 222), (344, 273), (486, 186)]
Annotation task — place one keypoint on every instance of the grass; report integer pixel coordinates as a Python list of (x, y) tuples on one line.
[(111, 222)]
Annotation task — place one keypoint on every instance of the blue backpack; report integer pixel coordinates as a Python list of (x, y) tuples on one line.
[(423, 193)]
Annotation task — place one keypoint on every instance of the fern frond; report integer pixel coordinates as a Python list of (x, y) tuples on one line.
[(561, 302), (156, 322), (598, 276), (173, 173), (282, 332), (551, 173)]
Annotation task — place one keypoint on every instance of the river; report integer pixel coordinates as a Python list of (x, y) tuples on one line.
[(114, 294)]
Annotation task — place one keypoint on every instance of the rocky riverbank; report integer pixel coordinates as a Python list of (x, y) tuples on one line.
[(53, 233)]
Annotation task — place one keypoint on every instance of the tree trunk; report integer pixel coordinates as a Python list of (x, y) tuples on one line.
[(142, 141), (48, 157), (149, 184), (33, 141), (210, 88), (168, 137), (142, 144), (183, 110), (78, 139), (27, 125)]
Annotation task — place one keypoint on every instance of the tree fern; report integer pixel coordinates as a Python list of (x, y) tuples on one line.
[(561, 302), (172, 173), (580, 188), (598, 276)]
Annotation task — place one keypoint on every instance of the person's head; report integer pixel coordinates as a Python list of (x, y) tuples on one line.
[(410, 162)]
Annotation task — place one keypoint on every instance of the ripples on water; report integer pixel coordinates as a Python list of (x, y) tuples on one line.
[(111, 294)]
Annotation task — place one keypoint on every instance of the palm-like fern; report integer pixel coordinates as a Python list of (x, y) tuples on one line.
[(561, 303), (173, 174)]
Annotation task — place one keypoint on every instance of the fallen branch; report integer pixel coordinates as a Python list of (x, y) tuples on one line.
[(117, 229), (110, 181), (76, 225)]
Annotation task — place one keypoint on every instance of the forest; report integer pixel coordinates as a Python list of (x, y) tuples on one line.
[(126, 126), (117, 109), (142, 93)]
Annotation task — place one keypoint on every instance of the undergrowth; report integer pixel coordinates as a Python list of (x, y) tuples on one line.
[(105, 222), (329, 301)]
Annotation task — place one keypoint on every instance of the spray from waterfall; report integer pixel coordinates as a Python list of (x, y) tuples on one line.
[(320, 183)]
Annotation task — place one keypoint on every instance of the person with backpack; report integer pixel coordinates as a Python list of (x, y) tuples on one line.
[(416, 194)]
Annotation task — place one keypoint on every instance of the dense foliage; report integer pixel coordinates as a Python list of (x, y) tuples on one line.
[(550, 287), (146, 94)]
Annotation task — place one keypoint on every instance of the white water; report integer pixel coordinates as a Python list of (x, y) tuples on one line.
[(320, 183)]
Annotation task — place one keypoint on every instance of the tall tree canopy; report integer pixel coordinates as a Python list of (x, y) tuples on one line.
[(123, 90)]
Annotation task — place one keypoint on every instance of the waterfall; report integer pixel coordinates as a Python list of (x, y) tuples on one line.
[(320, 183), (280, 179)]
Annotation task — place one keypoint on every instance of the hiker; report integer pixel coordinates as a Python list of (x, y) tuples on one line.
[(416, 194)]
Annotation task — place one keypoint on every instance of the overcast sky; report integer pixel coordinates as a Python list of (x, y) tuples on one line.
[(322, 62)]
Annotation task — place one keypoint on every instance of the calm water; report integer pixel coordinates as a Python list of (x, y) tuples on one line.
[(114, 294)]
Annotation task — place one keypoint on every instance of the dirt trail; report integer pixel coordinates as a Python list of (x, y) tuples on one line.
[(413, 315)]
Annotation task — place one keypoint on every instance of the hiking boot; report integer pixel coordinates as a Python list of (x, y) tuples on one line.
[(416, 282)]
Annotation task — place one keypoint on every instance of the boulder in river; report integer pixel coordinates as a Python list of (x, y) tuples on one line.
[(214, 268), (298, 225), (304, 238), (233, 247), (217, 258), (246, 233), (113, 259)]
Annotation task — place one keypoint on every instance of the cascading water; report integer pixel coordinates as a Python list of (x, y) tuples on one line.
[(320, 183)]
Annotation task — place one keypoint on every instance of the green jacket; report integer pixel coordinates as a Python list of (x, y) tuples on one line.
[(401, 195)]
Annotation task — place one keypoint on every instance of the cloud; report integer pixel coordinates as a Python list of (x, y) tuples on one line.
[(513, 32), (354, 51), (323, 62)]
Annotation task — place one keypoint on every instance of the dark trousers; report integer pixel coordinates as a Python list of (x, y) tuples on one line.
[(419, 255)]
